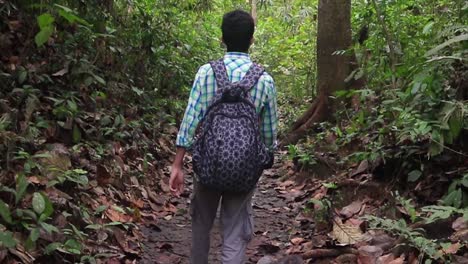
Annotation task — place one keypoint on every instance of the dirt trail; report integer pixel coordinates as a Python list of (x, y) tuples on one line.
[(168, 241)]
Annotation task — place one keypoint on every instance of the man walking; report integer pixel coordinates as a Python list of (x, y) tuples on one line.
[(226, 151)]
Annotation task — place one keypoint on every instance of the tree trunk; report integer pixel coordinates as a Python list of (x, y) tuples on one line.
[(334, 34), (253, 10)]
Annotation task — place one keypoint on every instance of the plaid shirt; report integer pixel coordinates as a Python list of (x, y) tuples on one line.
[(204, 89)]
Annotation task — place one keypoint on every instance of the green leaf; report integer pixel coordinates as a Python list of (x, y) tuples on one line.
[(34, 235), (114, 224), (447, 43), (23, 74), (69, 15), (7, 239), (73, 246), (30, 213), (38, 203), (137, 91), (5, 212), (464, 181), (43, 36), (49, 228), (45, 20), (21, 186), (100, 209), (48, 210), (118, 209), (29, 244), (456, 125), (99, 79), (428, 27), (454, 198), (414, 175), (52, 247), (94, 227), (80, 179), (76, 134)]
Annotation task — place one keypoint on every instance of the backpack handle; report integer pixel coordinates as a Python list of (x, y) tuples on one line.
[(248, 82)]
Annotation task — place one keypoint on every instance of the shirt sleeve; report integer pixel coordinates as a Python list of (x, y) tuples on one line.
[(192, 116), (269, 120)]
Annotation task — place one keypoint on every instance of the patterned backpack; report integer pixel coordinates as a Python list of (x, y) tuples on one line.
[(228, 153)]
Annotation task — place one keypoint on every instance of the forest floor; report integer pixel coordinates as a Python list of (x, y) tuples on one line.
[(290, 222), (169, 240)]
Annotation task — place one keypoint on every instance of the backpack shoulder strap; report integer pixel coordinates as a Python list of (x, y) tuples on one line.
[(248, 82), (220, 73), (252, 76)]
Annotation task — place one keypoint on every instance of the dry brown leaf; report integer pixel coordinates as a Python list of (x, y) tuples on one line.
[(103, 175), (3, 254), (297, 240), (399, 260), (346, 234), (385, 259), (369, 254), (287, 183), (122, 239), (363, 167), (452, 249), (115, 216), (352, 209), (460, 224), (164, 186)]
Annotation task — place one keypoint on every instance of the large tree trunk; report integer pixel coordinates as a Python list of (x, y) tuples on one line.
[(334, 34)]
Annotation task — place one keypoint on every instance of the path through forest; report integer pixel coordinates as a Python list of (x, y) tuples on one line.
[(168, 241)]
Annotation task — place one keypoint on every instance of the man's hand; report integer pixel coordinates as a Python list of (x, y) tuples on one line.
[(176, 182)]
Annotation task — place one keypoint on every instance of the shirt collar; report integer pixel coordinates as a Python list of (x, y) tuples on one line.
[(236, 55)]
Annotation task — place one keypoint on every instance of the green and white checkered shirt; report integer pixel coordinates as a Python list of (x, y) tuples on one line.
[(204, 89)]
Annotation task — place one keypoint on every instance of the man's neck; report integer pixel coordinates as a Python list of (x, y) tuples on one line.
[(246, 52)]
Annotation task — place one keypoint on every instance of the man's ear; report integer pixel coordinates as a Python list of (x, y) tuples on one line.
[(252, 40)]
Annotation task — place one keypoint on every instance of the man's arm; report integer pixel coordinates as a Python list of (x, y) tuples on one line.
[(176, 182), (269, 122), (192, 116)]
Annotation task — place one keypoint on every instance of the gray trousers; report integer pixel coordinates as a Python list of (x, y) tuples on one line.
[(236, 222)]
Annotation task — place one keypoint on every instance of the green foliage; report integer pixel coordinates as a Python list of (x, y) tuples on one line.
[(437, 212), (303, 156), (413, 237), (285, 42), (457, 194)]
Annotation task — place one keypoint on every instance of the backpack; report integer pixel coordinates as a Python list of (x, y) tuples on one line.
[(228, 153)]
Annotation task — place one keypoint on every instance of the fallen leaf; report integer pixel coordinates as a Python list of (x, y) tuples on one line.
[(460, 224), (61, 72), (452, 249), (369, 254), (103, 175), (385, 259), (168, 259), (297, 240), (399, 260), (164, 186), (115, 216), (287, 183), (352, 209), (363, 167), (346, 234)]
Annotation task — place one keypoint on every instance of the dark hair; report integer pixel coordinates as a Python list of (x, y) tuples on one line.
[(238, 28)]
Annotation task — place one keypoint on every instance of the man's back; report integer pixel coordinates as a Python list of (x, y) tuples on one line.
[(204, 88)]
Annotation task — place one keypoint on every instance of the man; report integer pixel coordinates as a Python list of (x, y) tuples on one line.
[(236, 208)]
